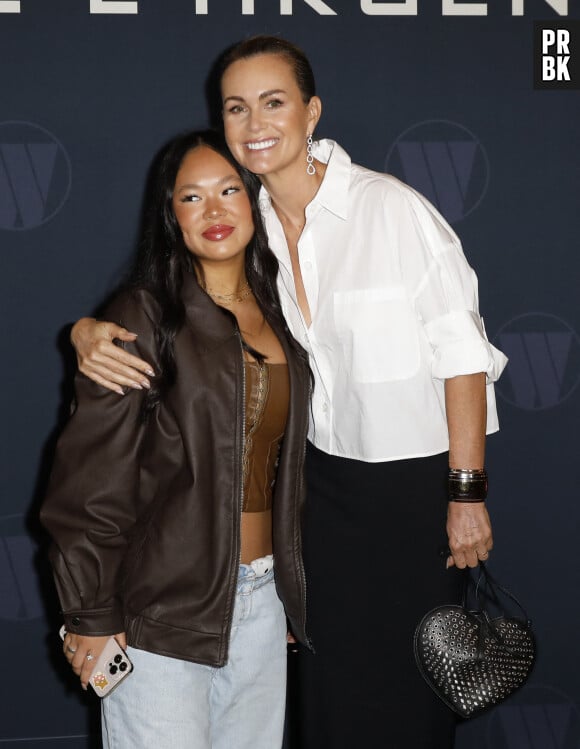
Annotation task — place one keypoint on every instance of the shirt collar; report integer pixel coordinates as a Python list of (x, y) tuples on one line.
[(333, 192)]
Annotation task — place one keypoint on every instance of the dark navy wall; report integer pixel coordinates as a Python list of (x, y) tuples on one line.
[(444, 101)]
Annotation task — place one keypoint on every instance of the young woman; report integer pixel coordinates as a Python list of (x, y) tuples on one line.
[(167, 505), (375, 286)]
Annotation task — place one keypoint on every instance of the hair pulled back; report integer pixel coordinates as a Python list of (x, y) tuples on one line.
[(274, 45)]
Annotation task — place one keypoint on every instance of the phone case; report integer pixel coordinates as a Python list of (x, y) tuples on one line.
[(111, 667)]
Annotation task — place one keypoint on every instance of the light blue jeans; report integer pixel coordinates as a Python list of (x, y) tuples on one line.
[(167, 703)]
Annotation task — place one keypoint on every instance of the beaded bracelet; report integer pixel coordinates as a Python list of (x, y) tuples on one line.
[(467, 485)]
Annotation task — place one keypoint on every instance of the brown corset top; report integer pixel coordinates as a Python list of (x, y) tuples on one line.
[(267, 397)]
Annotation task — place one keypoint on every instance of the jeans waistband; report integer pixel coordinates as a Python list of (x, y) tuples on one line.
[(256, 568)]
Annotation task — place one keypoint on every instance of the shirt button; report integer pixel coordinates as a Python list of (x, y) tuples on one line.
[(325, 407), (75, 621)]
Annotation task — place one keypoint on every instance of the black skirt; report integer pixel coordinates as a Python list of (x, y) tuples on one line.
[(374, 550)]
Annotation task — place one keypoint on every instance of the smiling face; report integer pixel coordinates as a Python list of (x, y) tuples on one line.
[(212, 208), (266, 120)]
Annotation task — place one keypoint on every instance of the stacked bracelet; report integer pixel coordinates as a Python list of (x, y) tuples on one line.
[(467, 485)]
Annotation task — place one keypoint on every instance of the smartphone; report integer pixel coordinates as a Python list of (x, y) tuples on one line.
[(111, 667)]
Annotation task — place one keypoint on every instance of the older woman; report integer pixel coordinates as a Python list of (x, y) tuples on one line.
[(375, 286)]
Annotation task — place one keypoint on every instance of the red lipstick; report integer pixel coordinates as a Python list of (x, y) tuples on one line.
[(217, 232)]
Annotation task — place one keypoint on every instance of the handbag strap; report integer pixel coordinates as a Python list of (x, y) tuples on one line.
[(487, 586)]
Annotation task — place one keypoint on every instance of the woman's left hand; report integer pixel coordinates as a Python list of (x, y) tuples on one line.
[(82, 651), (469, 532)]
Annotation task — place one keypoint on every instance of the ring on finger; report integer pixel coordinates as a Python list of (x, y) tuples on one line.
[(89, 656)]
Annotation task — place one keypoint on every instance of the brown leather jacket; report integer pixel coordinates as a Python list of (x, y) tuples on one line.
[(145, 518)]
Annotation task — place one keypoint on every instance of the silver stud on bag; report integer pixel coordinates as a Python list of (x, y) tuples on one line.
[(310, 168)]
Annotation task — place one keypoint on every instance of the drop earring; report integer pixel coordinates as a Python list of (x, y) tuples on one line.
[(310, 168)]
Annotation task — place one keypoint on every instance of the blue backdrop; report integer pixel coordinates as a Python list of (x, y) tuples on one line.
[(441, 93)]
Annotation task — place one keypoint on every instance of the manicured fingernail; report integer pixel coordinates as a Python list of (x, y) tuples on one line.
[(150, 372), (145, 384), (119, 390), (136, 386), (133, 334)]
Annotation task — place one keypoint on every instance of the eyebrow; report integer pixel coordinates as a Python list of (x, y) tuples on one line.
[(263, 95), (225, 180)]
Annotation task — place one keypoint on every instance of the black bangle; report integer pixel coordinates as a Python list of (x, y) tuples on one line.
[(467, 485)]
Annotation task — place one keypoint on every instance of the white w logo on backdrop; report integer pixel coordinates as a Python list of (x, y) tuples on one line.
[(536, 726), (544, 361), (35, 175), (445, 162), (20, 597), (442, 169)]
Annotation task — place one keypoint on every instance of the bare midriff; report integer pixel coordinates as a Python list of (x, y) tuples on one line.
[(267, 399)]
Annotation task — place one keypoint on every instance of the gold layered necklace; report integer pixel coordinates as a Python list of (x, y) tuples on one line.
[(236, 296)]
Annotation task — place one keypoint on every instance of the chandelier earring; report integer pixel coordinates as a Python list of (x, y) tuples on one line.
[(310, 168)]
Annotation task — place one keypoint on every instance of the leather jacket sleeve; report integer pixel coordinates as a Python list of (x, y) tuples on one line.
[(91, 506)]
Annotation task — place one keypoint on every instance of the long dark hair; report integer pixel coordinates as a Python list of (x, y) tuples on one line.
[(273, 45), (163, 259)]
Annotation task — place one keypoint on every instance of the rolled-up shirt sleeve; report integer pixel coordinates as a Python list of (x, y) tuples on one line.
[(445, 294), (460, 347)]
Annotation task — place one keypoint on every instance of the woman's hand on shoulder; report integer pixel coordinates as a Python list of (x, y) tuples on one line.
[(469, 532), (102, 361), (82, 652)]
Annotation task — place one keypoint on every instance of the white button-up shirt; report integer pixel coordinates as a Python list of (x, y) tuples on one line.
[(394, 312)]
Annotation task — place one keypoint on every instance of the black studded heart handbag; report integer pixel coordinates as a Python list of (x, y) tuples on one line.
[(474, 656)]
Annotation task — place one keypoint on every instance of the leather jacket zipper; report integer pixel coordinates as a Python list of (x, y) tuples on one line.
[(243, 443), (237, 541)]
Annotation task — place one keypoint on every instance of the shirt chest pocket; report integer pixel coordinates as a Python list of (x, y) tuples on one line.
[(378, 331)]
